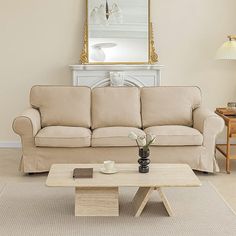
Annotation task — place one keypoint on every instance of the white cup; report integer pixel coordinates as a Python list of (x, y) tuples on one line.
[(109, 165)]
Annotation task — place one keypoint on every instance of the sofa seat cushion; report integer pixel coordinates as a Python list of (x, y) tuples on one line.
[(114, 137), (62, 136), (175, 135)]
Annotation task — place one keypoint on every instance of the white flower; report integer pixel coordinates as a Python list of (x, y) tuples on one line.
[(141, 141), (133, 136), (151, 138)]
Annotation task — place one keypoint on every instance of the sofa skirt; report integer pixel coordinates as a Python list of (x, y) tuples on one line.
[(37, 159)]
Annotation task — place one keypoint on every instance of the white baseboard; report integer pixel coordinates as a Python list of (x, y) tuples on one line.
[(10, 144)]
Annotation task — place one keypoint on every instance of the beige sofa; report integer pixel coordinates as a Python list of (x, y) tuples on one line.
[(80, 125)]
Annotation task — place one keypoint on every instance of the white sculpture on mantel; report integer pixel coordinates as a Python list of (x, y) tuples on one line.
[(116, 75), (117, 79)]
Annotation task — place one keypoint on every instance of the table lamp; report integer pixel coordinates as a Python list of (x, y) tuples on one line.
[(228, 50)]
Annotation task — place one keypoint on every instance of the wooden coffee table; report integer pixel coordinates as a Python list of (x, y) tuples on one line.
[(99, 196)]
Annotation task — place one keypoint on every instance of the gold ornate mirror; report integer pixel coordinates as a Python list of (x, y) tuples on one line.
[(118, 32)]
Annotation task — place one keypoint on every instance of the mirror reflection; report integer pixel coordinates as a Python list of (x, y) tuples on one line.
[(118, 31)]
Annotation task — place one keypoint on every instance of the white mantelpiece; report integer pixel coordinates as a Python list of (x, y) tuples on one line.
[(116, 75)]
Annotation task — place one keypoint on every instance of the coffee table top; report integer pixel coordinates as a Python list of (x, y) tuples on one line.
[(160, 175)]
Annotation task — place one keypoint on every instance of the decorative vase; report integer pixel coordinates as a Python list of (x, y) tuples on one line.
[(144, 161)]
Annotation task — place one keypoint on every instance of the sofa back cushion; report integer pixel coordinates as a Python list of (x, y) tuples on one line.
[(62, 106), (116, 106), (169, 105)]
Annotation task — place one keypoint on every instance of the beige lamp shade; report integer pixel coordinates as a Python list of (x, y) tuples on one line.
[(228, 50)]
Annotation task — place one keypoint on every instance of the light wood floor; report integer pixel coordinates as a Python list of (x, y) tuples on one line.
[(225, 184)]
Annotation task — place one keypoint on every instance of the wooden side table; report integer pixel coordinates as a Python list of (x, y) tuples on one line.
[(225, 149)]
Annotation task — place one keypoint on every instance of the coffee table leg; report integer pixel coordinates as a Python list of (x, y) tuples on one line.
[(165, 202), (140, 199), (96, 201)]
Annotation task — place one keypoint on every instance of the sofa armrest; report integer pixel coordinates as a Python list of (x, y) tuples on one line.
[(210, 125), (28, 123), (207, 122)]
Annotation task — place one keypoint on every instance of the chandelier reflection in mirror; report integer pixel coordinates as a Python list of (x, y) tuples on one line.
[(118, 32), (106, 14)]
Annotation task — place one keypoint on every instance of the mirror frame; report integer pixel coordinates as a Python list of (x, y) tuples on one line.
[(152, 55)]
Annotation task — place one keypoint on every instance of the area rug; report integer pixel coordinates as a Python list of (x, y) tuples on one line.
[(34, 209)]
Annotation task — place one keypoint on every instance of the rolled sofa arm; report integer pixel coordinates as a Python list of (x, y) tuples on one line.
[(207, 122), (210, 125), (28, 123)]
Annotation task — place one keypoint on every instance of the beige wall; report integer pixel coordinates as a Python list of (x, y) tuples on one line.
[(39, 39)]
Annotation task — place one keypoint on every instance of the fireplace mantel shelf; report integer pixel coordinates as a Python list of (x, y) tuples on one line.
[(117, 75), (118, 67)]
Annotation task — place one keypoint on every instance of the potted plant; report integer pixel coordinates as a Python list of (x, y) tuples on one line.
[(143, 143)]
